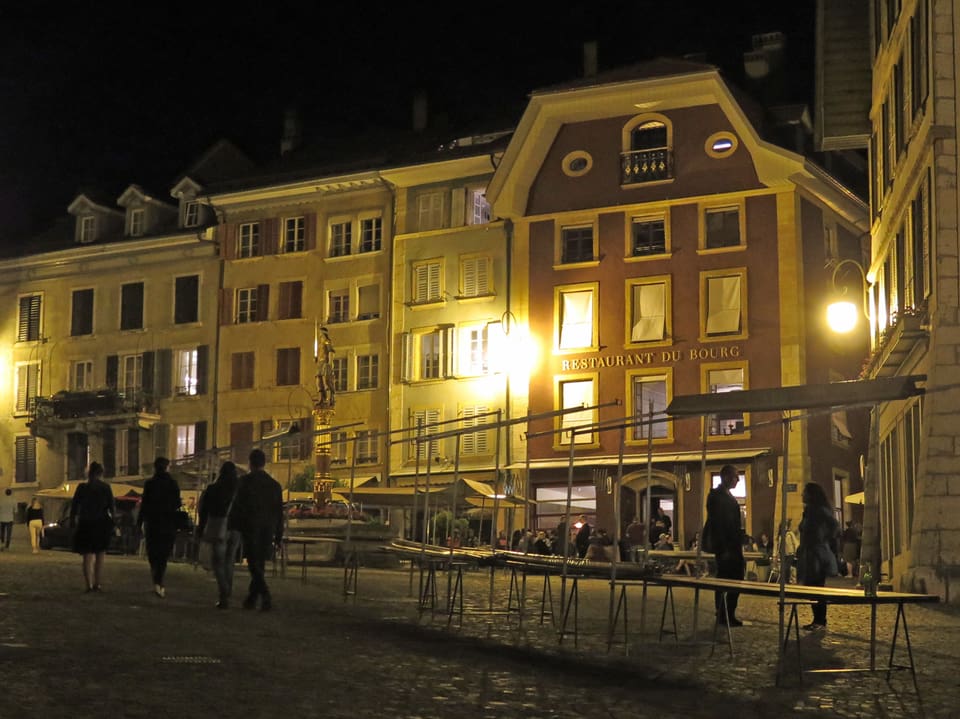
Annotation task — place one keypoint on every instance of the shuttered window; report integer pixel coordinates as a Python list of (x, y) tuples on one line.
[(28, 328), (28, 383), (241, 370), (26, 460), (475, 276), (288, 366), (474, 443), (186, 299), (424, 420), (81, 313), (290, 300), (241, 441), (131, 306), (427, 286), (723, 308)]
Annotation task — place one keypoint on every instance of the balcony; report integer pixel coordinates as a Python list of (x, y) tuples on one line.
[(640, 166), (89, 411), (908, 332)]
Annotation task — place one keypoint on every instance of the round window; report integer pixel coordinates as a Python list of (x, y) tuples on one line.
[(721, 144), (577, 163)]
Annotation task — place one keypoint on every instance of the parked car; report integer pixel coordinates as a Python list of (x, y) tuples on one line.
[(126, 539)]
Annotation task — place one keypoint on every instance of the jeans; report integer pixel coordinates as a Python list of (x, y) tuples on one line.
[(223, 557), (6, 531)]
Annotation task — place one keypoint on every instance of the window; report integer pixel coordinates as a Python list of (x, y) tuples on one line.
[(338, 309), (368, 302), (576, 244), (137, 222), (478, 207), (649, 303), (336, 444), (288, 448), (475, 276), (371, 234), (88, 229), (646, 151), (427, 282), (187, 372), (339, 370), (191, 214), (648, 236), (290, 301), (474, 443), (127, 452), (430, 211), (241, 440), (840, 429), (130, 381), (739, 492), (368, 371), (248, 243), (81, 313), (428, 354), (918, 56), (424, 422), (26, 460), (474, 350), (81, 375), (247, 306), (186, 299), (28, 384), (724, 303), (647, 389), (341, 238), (241, 370), (726, 379), (288, 366), (721, 228), (366, 447), (28, 328), (294, 234), (575, 313), (185, 441), (131, 306), (577, 393)]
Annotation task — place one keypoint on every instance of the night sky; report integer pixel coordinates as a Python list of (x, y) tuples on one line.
[(108, 95)]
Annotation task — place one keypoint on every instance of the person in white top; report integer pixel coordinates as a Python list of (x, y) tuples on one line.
[(8, 508)]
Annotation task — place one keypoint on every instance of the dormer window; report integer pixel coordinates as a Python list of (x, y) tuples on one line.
[(137, 222), (88, 228), (191, 214), (647, 150)]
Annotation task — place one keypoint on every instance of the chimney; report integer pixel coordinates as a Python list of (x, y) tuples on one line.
[(420, 111), (292, 131), (590, 58)]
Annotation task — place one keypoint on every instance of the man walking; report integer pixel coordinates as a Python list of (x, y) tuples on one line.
[(726, 541), (158, 518), (8, 509), (258, 513)]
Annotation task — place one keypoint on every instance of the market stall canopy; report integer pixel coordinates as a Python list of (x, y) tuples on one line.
[(468, 491), (817, 396), (855, 498), (65, 491)]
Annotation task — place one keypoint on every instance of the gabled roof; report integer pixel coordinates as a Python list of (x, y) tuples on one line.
[(135, 194), (88, 202)]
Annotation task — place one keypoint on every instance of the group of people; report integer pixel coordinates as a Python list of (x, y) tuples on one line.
[(816, 554), (246, 511)]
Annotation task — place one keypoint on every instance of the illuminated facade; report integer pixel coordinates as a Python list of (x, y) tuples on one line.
[(667, 249)]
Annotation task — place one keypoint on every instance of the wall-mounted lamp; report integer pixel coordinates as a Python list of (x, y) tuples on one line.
[(686, 481), (842, 313)]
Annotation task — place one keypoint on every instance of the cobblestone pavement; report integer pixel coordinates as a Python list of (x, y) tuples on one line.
[(126, 653)]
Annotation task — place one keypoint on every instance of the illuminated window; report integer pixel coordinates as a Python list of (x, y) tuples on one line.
[(294, 234), (248, 242), (479, 208), (726, 379), (187, 372), (577, 393), (81, 375), (474, 350), (28, 384), (723, 304), (649, 303), (474, 276), (647, 389), (576, 319), (185, 441)]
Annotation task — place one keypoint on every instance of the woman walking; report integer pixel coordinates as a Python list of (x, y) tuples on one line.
[(91, 513), (215, 528), (817, 553), (158, 516), (35, 523)]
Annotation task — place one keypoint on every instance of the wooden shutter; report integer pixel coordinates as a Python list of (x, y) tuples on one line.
[(200, 437), (226, 306), (133, 452), (203, 362), (241, 440), (310, 231), (163, 384), (26, 460), (263, 303), (447, 350), (458, 207), (269, 231), (109, 452), (161, 440), (228, 241), (296, 299), (407, 357), (306, 437), (113, 368), (148, 381)]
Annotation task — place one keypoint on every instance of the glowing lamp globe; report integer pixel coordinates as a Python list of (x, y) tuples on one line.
[(842, 316)]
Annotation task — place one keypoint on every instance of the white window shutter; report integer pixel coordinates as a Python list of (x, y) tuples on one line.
[(433, 281), (448, 351), (458, 207), (407, 357)]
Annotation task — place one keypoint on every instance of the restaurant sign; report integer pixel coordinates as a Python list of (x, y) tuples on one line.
[(653, 357)]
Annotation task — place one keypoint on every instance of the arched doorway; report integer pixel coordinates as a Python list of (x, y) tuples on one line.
[(640, 497)]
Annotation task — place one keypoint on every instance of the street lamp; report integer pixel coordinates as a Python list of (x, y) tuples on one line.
[(842, 313)]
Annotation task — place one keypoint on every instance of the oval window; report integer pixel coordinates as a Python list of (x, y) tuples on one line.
[(577, 163), (720, 144)]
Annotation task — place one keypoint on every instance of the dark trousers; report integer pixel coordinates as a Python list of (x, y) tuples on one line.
[(258, 546), (729, 568), (820, 608), (6, 531), (159, 545)]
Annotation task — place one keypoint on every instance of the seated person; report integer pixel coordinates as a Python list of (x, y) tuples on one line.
[(596, 551), (664, 543)]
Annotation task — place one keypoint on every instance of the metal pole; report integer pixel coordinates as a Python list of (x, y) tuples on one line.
[(566, 525), (700, 510), (496, 506), (649, 501), (783, 538)]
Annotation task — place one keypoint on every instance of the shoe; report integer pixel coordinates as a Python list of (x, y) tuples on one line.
[(814, 627), (159, 591), (734, 622), (97, 588), (223, 604), (266, 605), (250, 603)]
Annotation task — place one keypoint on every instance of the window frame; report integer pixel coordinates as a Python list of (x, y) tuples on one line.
[(87, 372), (648, 375), (634, 219), (30, 374), (374, 243), (247, 311), (86, 229), (558, 294), (705, 277), (560, 255), (466, 365), (368, 377), (295, 235), (738, 204), (251, 245), (191, 213), (573, 419), (428, 298), (32, 331), (338, 306), (339, 237), (189, 371), (705, 371), (484, 268), (137, 224)]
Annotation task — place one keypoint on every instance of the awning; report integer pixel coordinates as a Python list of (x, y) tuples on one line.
[(855, 498), (713, 455)]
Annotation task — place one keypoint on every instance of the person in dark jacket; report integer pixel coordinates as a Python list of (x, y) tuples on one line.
[(91, 514), (258, 513), (726, 541), (582, 539), (215, 504), (817, 552), (158, 518)]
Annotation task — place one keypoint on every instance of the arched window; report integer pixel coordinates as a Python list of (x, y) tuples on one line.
[(647, 151)]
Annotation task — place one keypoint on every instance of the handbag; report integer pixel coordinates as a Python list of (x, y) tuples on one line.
[(215, 530)]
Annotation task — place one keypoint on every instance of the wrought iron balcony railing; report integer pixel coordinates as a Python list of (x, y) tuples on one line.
[(640, 166)]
